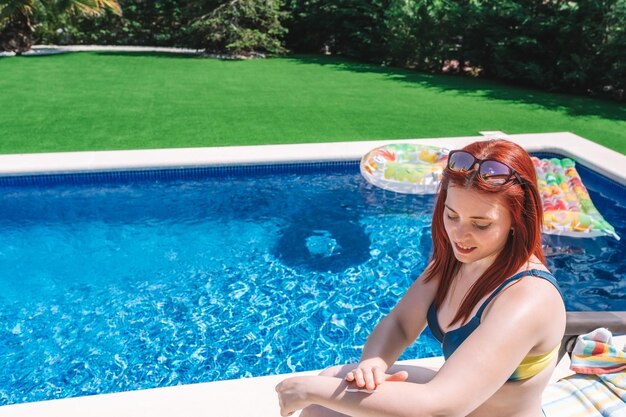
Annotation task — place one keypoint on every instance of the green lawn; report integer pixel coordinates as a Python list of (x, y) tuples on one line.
[(95, 101)]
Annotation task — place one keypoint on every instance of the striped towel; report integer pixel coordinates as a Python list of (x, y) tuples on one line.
[(595, 354), (599, 387)]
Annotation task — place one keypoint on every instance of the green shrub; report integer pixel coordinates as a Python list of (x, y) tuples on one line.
[(424, 34), (351, 27), (573, 46), (154, 23), (241, 27)]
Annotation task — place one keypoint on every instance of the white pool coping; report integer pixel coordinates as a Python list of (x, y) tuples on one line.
[(602, 160), (253, 396)]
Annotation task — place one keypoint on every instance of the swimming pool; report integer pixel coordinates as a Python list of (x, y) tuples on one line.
[(119, 281), (131, 282)]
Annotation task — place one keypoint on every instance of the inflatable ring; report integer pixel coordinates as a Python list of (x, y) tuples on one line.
[(405, 168), (567, 206)]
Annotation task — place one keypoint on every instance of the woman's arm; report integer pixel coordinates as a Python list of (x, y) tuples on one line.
[(393, 335), (514, 324), (397, 399)]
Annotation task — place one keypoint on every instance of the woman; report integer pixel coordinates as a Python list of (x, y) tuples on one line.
[(486, 294)]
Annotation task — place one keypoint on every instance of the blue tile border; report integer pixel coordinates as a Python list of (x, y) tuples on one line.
[(168, 174)]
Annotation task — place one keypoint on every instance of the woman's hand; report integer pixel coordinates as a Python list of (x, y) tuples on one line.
[(370, 377), (292, 395)]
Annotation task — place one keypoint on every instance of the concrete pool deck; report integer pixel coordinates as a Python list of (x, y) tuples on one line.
[(253, 396), (600, 159)]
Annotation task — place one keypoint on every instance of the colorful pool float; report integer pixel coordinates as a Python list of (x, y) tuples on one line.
[(567, 206), (405, 168)]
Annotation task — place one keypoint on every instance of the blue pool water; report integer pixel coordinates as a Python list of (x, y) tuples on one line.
[(115, 282)]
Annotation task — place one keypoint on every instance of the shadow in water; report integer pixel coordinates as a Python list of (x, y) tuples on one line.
[(325, 236)]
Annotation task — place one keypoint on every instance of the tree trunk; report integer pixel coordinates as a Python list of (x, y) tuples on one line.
[(17, 34)]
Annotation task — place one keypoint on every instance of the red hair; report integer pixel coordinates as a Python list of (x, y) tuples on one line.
[(524, 205)]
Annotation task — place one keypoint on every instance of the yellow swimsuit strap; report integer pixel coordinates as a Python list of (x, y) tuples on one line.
[(532, 365)]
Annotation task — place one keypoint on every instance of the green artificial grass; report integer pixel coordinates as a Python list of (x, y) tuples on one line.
[(104, 100)]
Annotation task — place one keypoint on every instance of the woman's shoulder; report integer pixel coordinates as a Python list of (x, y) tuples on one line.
[(533, 264), (530, 291), (535, 281), (528, 302), (533, 294)]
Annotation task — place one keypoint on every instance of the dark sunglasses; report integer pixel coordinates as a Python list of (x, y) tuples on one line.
[(491, 171)]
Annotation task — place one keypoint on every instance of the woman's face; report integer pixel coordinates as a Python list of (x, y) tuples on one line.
[(477, 224)]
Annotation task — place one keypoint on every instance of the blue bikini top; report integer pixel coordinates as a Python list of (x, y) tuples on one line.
[(453, 339)]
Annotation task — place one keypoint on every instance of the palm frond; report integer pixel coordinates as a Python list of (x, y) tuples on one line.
[(93, 7), (10, 8)]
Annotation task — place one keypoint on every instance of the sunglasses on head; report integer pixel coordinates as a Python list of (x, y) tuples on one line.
[(489, 170)]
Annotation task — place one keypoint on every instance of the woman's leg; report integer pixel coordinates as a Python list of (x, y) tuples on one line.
[(417, 374)]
